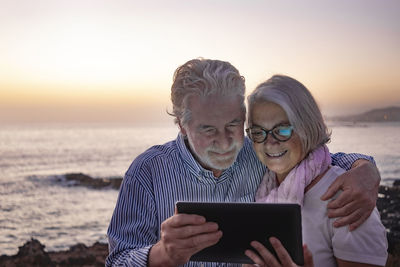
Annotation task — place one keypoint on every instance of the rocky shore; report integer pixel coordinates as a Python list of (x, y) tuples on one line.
[(388, 204), (80, 179), (33, 253)]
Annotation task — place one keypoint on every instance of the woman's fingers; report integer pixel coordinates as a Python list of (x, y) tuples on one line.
[(254, 257), (268, 259), (308, 259), (281, 252)]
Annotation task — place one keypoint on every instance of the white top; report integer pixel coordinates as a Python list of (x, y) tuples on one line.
[(366, 244)]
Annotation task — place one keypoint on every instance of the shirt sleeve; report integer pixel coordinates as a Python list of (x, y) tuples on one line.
[(345, 161), (367, 244), (133, 228)]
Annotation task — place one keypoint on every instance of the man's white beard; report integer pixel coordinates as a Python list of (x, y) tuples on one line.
[(213, 161)]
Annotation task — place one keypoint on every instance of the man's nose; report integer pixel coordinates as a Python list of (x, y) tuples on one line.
[(224, 140)]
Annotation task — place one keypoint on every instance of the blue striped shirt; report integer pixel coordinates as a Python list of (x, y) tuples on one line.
[(168, 173)]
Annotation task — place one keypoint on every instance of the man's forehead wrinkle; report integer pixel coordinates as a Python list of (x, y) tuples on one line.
[(205, 126)]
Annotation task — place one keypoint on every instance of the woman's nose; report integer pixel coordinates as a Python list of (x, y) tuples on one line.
[(270, 139)]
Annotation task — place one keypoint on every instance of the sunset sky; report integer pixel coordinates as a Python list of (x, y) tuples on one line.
[(103, 60)]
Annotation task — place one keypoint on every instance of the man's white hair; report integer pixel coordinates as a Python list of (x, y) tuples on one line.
[(204, 77)]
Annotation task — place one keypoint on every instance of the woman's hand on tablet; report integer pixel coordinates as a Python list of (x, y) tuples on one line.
[(267, 259)]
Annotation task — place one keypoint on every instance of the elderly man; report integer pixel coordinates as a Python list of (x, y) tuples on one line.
[(210, 160)]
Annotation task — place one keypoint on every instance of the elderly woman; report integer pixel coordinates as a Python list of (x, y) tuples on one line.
[(289, 137)]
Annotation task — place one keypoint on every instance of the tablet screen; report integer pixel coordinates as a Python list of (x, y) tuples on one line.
[(242, 223)]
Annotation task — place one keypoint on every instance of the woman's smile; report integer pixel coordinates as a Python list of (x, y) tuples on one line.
[(276, 154), (279, 156)]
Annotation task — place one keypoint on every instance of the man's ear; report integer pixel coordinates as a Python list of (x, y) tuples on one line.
[(183, 131)]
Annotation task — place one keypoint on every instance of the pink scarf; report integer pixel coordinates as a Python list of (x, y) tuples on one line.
[(291, 190)]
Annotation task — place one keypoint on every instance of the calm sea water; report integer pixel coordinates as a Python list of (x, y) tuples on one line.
[(32, 204)]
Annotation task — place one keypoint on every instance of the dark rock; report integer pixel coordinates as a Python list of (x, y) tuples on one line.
[(33, 254), (396, 183), (80, 179), (388, 204), (30, 254), (81, 255)]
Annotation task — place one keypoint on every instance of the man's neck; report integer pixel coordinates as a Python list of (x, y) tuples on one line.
[(217, 173)]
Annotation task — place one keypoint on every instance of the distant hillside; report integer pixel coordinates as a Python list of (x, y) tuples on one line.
[(375, 115)]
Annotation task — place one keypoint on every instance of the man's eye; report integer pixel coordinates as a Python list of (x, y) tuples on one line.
[(209, 131)]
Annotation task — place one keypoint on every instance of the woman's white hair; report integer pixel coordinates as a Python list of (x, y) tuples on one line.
[(203, 77), (299, 105)]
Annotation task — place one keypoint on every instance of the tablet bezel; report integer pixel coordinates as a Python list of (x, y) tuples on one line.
[(242, 223)]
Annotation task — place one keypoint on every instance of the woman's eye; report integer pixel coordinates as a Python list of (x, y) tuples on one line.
[(257, 133), (284, 131)]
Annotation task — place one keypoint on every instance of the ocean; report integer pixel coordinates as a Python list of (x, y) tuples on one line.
[(33, 156)]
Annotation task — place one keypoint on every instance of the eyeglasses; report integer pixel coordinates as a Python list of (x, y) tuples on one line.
[(282, 133)]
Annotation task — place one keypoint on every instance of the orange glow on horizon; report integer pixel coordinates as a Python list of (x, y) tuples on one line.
[(121, 56)]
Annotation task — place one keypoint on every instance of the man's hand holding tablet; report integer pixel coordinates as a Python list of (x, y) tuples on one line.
[(183, 235)]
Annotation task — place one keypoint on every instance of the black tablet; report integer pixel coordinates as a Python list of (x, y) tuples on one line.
[(242, 223)]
